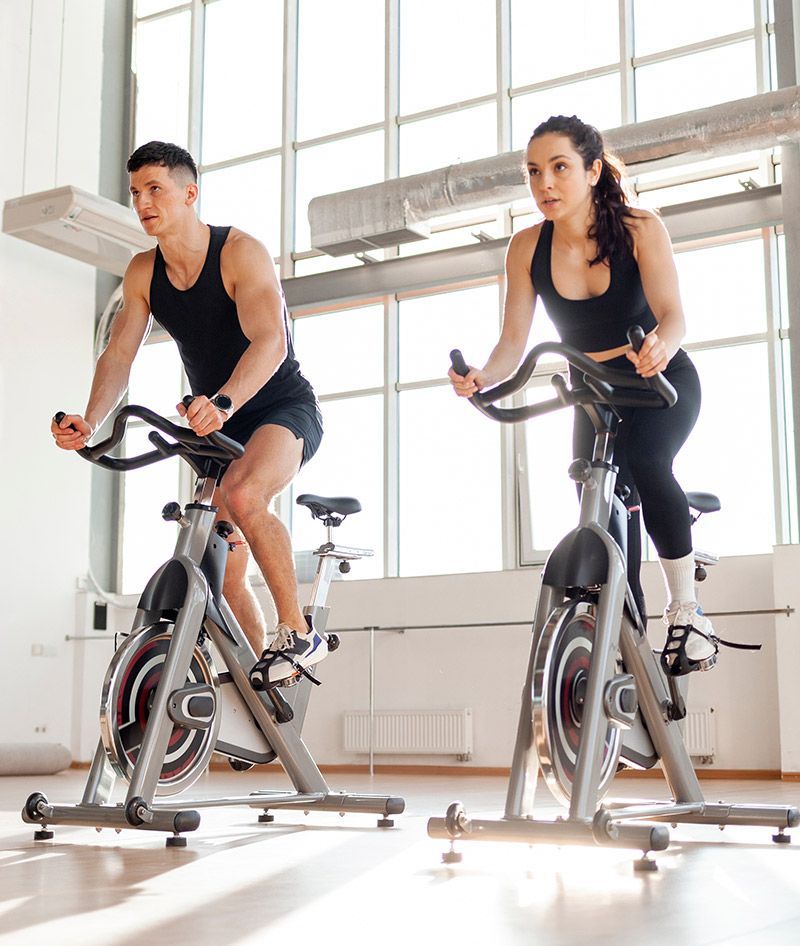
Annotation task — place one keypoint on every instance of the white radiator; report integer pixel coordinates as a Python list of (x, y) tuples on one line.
[(699, 733), (411, 732)]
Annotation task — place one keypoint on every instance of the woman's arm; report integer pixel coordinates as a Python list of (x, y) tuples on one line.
[(517, 317), (653, 251)]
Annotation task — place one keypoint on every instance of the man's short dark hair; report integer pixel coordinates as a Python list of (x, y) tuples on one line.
[(163, 154)]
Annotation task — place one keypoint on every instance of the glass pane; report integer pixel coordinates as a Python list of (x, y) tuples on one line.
[(661, 188), (157, 379), (432, 326), (162, 80), (336, 166), (596, 101), (715, 305), (349, 463), (548, 454), (539, 54), (689, 82), (243, 51), (446, 54), (146, 7), (660, 26), (448, 139), (450, 507), (735, 399), (341, 351), (248, 196), (147, 540), (340, 75)]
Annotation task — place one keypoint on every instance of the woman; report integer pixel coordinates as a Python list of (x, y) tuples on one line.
[(601, 266)]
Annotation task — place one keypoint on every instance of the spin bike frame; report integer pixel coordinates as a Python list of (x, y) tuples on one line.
[(591, 557), (182, 586)]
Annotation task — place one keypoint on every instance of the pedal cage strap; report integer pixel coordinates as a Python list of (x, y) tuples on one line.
[(736, 646)]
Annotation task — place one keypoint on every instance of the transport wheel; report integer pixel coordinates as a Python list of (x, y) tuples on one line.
[(32, 805), (454, 819), (128, 693), (560, 682)]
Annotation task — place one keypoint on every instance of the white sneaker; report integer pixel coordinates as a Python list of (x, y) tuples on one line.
[(288, 654), (691, 642)]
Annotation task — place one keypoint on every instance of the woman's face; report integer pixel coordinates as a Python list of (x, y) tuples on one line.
[(559, 182)]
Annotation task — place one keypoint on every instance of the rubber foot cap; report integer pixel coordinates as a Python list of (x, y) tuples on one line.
[(782, 838), (385, 822), (644, 864), (176, 841), (266, 818), (452, 857), (42, 835)]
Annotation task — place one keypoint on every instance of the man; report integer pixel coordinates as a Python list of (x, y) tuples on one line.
[(215, 290)]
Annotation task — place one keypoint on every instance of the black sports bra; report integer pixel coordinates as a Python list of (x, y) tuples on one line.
[(601, 322)]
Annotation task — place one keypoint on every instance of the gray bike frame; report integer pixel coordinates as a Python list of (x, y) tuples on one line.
[(588, 820), (177, 815)]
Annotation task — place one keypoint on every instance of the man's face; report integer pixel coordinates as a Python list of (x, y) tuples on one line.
[(161, 198)]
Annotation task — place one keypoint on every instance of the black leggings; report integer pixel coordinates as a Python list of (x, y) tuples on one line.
[(646, 444)]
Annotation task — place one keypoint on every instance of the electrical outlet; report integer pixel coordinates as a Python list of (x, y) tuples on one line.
[(42, 728)]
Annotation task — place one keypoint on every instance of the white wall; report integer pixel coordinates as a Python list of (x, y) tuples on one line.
[(50, 74)]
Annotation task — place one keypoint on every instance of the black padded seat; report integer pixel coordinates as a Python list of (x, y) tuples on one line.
[(323, 506), (704, 502)]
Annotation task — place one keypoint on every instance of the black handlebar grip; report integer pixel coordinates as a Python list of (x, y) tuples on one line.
[(59, 416), (187, 399), (636, 337), (457, 361)]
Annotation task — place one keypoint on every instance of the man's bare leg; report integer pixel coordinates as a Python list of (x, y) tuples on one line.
[(270, 463), (237, 589)]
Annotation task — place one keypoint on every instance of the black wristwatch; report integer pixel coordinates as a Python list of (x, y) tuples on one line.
[(223, 403)]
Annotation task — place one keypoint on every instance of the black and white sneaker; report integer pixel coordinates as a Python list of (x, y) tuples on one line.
[(691, 642), (290, 653)]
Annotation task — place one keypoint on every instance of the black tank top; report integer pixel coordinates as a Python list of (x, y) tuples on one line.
[(599, 323), (205, 325)]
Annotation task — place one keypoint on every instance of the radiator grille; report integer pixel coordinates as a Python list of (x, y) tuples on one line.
[(699, 733), (413, 732)]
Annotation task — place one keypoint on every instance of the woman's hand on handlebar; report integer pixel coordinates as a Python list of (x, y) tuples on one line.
[(652, 358), (470, 383), (203, 416), (71, 433)]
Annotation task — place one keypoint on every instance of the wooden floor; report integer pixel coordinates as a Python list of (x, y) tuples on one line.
[(330, 880)]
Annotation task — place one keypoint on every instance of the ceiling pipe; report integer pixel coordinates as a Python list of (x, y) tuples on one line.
[(397, 211)]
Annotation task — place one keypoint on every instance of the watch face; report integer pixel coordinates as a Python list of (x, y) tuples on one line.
[(223, 402)]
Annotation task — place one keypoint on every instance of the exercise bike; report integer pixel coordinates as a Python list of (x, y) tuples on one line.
[(181, 685), (595, 698)]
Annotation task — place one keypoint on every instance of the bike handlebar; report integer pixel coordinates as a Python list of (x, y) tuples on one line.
[(188, 444), (602, 385)]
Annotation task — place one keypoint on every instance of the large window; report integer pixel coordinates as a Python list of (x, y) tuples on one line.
[(285, 100)]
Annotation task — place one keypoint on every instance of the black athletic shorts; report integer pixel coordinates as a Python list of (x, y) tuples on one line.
[(300, 415)]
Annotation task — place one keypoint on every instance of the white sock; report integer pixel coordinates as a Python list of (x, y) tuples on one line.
[(679, 579)]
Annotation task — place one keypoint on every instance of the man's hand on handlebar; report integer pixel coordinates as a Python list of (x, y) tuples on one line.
[(73, 433), (652, 357), (203, 416), (470, 383)]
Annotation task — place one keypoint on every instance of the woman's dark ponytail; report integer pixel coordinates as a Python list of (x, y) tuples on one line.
[(610, 200)]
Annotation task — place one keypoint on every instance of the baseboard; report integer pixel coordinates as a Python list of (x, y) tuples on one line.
[(745, 775), (741, 775)]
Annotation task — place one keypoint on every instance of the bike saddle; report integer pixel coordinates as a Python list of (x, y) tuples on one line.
[(322, 507), (702, 502)]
